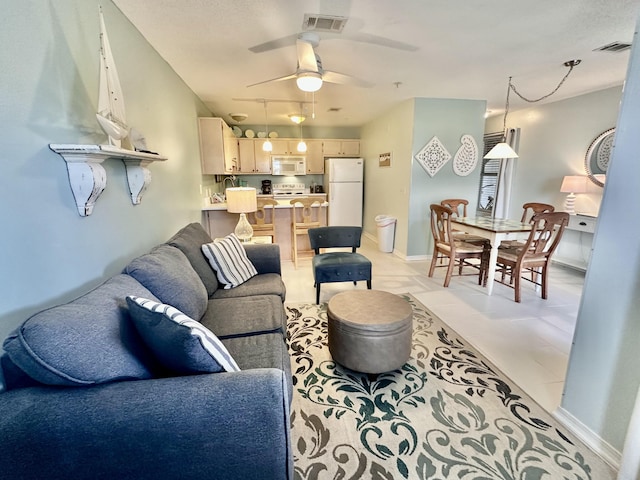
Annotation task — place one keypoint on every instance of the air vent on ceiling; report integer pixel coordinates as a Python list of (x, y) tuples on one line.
[(334, 109), (614, 47), (323, 23)]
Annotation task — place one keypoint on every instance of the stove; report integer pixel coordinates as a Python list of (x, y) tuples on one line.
[(288, 190)]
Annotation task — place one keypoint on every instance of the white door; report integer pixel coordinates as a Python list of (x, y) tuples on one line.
[(345, 204)]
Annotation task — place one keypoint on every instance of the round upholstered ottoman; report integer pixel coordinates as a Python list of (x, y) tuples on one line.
[(370, 330)]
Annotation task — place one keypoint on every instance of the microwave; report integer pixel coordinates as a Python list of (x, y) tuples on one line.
[(281, 165)]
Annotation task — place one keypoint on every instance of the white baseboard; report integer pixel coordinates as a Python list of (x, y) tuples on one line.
[(600, 447), (411, 258)]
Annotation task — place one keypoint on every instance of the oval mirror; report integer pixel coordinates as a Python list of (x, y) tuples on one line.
[(596, 161)]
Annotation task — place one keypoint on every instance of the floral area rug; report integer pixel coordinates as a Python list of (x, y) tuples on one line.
[(447, 414)]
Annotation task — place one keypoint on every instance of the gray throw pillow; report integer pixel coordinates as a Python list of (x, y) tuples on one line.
[(167, 273), (178, 342)]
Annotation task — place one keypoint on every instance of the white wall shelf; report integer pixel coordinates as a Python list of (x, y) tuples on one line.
[(88, 178)]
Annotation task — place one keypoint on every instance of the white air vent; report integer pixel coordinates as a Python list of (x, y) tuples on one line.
[(614, 47), (323, 23)]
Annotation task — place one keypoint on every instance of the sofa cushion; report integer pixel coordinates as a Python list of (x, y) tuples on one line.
[(179, 343), (189, 241), (263, 284), (231, 317), (85, 342), (261, 351), (167, 273), (228, 258)]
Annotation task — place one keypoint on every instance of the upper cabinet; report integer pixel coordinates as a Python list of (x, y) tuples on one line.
[(218, 147), (253, 159), (341, 148), (315, 159), (285, 147)]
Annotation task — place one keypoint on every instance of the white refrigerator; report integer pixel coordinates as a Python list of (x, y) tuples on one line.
[(343, 185)]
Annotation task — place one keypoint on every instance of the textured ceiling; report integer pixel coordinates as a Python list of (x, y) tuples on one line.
[(464, 49)]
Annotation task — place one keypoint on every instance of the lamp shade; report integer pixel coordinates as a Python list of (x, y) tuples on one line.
[(241, 200), (309, 81), (501, 150), (574, 184)]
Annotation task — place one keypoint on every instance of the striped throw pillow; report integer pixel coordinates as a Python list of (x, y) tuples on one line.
[(179, 343), (229, 259)]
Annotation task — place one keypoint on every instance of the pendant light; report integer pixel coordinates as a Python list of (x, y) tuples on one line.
[(503, 149), (267, 146)]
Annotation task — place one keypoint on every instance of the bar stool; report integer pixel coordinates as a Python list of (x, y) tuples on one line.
[(304, 205), (261, 227)]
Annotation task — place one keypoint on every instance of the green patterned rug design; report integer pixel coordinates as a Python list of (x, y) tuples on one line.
[(447, 414)]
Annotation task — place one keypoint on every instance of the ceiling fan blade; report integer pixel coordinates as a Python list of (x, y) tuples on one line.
[(279, 79), (341, 78), (306, 57), (382, 41), (274, 44)]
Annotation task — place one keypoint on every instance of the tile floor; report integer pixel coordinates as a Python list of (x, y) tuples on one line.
[(529, 342)]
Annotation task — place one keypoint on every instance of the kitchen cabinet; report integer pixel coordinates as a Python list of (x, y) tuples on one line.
[(218, 147), (283, 146), (315, 158), (252, 158), (341, 148)]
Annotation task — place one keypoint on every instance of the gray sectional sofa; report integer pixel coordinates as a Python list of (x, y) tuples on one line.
[(85, 397)]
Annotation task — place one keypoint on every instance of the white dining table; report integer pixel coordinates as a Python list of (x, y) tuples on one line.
[(495, 230)]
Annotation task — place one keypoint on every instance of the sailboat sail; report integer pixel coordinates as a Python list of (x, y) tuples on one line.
[(111, 114)]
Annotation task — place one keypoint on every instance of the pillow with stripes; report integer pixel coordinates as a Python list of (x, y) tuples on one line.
[(179, 343), (229, 259)]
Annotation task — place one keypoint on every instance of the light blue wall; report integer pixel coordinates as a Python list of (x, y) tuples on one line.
[(49, 79), (405, 190), (604, 368), (553, 142), (449, 120)]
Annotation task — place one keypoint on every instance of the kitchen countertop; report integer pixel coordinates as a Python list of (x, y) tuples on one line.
[(284, 202)]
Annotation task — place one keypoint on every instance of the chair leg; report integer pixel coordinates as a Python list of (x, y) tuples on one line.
[(369, 284), (449, 271), (544, 281), (517, 283), (434, 259), (317, 294)]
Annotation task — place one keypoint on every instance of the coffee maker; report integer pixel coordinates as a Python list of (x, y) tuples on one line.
[(266, 187)]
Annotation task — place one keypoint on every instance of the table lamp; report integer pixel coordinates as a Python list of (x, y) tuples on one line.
[(242, 200), (573, 184)]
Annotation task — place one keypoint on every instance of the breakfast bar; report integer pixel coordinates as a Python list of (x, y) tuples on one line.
[(219, 222)]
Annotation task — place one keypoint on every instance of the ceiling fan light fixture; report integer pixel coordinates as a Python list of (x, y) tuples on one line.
[(297, 118), (309, 81)]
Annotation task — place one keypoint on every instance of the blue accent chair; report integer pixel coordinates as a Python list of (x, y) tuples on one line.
[(338, 266)]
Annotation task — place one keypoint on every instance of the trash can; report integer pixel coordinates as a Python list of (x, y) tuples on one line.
[(386, 232)]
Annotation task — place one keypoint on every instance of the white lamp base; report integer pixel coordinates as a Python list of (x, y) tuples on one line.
[(244, 230), (569, 204)]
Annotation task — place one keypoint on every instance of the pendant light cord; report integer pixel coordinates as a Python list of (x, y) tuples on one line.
[(571, 64)]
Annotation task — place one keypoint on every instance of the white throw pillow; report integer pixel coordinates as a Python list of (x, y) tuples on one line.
[(229, 259)]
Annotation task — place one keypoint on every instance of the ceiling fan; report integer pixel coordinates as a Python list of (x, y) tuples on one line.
[(310, 75)]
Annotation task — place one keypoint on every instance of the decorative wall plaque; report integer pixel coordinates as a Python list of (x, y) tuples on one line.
[(433, 156), (466, 158)]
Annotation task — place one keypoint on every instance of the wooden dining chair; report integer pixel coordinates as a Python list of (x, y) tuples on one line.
[(528, 211), (534, 256), (459, 207), (301, 222), (457, 252), (265, 219)]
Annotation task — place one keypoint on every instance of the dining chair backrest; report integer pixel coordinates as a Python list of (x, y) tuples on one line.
[(545, 235), (532, 208), (455, 204), (441, 224)]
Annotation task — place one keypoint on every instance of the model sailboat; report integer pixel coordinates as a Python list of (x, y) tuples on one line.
[(111, 115)]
